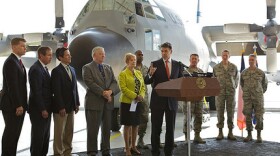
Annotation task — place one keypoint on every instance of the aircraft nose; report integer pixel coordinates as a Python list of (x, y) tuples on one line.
[(114, 44)]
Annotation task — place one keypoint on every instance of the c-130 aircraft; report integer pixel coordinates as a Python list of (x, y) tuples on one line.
[(122, 26)]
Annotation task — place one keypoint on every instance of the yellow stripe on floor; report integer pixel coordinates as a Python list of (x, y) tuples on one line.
[(113, 137)]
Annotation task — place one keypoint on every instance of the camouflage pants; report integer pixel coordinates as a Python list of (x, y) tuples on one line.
[(196, 112), (257, 105), (225, 102), (144, 117)]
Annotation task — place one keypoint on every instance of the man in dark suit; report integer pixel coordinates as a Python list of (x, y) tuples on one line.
[(40, 98), (99, 101), (160, 71), (66, 102), (14, 100)]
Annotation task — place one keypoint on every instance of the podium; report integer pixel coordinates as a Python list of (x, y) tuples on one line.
[(189, 89)]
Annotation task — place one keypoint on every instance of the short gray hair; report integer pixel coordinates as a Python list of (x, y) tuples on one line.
[(95, 49)]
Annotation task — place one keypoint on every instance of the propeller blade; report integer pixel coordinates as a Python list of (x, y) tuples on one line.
[(270, 9), (255, 28), (59, 21), (236, 28), (271, 60)]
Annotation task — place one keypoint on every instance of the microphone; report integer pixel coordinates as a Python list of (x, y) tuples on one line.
[(183, 65)]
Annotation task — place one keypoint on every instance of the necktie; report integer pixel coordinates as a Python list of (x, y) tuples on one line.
[(46, 68), (69, 72), (167, 69), (21, 64), (100, 67)]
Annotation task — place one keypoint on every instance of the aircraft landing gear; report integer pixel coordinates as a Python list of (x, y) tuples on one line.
[(277, 83)]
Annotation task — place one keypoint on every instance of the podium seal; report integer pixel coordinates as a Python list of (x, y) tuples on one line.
[(200, 83)]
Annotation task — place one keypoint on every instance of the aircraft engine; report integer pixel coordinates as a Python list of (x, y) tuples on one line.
[(268, 40), (115, 46)]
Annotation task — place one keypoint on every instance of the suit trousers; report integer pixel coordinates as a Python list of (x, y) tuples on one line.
[(13, 126), (157, 119), (63, 134), (40, 133), (94, 119)]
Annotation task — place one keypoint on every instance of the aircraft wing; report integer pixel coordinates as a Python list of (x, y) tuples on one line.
[(217, 40)]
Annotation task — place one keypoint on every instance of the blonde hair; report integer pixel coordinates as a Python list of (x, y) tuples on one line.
[(128, 56)]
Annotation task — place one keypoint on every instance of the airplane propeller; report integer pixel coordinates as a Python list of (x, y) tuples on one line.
[(270, 30)]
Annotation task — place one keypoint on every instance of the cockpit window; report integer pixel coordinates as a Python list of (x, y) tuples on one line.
[(139, 9), (126, 6), (158, 13), (149, 12), (152, 10), (144, 8)]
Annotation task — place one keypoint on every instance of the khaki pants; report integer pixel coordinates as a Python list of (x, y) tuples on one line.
[(63, 134)]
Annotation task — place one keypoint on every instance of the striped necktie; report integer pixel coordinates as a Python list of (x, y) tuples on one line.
[(47, 70), (69, 72)]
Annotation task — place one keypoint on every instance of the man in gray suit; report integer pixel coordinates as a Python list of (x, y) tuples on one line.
[(99, 101)]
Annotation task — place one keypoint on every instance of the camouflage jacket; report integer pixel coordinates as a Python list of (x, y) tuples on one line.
[(144, 70), (253, 82), (228, 78)]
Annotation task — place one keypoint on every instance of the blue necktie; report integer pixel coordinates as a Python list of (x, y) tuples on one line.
[(100, 67)]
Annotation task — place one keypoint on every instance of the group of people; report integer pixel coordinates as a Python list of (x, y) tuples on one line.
[(253, 82), (57, 93)]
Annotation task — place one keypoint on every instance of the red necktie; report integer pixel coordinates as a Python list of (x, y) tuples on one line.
[(167, 69), (21, 65)]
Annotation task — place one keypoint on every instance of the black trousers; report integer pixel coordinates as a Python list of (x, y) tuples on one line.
[(157, 120), (40, 134), (12, 130)]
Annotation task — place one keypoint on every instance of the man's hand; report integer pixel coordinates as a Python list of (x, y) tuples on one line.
[(45, 114), (107, 95), (62, 112), (77, 109), (152, 70), (19, 111)]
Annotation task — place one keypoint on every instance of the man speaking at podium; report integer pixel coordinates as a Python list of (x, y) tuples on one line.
[(163, 70)]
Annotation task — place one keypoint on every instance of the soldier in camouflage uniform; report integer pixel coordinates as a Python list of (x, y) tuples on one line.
[(254, 83), (228, 77), (144, 107), (196, 107)]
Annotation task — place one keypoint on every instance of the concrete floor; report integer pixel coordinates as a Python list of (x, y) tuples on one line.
[(270, 133)]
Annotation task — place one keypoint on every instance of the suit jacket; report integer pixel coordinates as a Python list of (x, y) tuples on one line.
[(64, 90), (96, 84), (158, 102), (127, 85), (40, 95), (14, 85)]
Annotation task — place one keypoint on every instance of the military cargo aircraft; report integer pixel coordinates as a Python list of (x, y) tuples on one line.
[(120, 26)]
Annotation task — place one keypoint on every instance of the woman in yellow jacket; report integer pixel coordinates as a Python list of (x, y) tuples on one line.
[(132, 91)]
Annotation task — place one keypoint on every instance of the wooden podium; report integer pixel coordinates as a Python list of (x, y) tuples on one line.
[(189, 89)]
